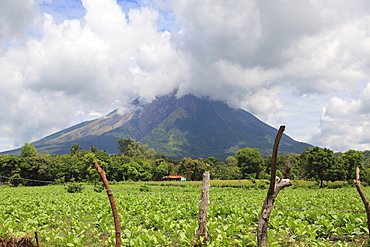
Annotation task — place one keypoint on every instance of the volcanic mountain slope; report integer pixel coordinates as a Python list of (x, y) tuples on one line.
[(185, 127)]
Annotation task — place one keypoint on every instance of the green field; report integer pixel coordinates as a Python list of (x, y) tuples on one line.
[(167, 215)]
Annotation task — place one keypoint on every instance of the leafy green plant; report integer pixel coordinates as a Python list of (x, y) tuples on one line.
[(73, 188), (144, 188), (86, 220), (261, 185)]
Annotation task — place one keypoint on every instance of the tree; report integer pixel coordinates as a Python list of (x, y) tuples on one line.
[(28, 150), (192, 169), (291, 168), (16, 167), (68, 168), (337, 171), (212, 161), (132, 149), (134, 171), (223, 172), (93, 149), (250, 161), (351, 160), (146, 168), (231, 161), (117, 171), (286, 164), (123, 168), (161, 169), (39, 168), (321, 164), (75, 149)]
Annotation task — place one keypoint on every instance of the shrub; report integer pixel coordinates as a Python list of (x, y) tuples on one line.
[(261, 185), (74, 188), (144, 188), (99, 188), (335, 186)]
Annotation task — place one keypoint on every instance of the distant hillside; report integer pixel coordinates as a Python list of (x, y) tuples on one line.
[(185, 127)]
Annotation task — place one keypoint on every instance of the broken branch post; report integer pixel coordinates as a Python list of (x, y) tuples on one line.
[(276, 184)]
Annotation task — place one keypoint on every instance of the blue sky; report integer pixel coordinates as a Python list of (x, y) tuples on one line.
[(73, 9), (299, 63), (63, 9)]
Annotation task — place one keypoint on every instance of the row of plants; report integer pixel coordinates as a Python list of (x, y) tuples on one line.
[(168, 215)]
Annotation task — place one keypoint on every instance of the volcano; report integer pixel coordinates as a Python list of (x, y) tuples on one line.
[(176, 127)]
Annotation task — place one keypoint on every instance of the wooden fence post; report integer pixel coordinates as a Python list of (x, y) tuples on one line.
[(112, 203), (203, 210), (37, 240), (276, 184), (363, 197)]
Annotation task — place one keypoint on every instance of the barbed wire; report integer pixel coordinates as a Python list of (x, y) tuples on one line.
[(188, 198)]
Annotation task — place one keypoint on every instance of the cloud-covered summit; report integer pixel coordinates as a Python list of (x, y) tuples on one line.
[(296, 62)]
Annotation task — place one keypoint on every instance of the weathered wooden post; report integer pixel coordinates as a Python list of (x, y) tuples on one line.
[(203, 210), (276, 184), (363, 197), (112, 203), (37, 240)]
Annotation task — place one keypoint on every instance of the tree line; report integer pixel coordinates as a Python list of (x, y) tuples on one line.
[(136, 162)]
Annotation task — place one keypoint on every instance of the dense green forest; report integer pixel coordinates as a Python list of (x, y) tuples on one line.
[(139, 163)]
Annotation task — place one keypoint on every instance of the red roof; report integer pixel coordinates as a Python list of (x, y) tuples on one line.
[(173, 176)]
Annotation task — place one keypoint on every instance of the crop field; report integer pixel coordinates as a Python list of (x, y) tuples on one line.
[(166, 214)]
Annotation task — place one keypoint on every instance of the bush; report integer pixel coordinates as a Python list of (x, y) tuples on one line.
[(16, 180), (249, 186), (261, 185), (335, 186), (74, 188), (305, 186), (99, 188), (144, 188)]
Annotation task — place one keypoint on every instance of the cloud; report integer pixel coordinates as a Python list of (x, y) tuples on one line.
[(90, 61), (251, 48), (16, 16), (82, 66), (285, 61), (345, 123)]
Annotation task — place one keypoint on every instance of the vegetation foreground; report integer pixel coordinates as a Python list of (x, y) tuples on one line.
[(166, 214)]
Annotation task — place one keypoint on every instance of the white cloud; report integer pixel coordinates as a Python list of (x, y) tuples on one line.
[(345, 124), (84, 66), (339, 107), (284, 60), (16, 16)]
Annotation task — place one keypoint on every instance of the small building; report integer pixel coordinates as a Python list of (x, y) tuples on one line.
[(174, 178)]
